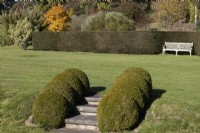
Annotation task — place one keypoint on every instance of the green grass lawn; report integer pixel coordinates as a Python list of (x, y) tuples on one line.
[(176, 83)]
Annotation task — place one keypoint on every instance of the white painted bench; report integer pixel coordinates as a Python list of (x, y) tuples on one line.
[(177, 46)]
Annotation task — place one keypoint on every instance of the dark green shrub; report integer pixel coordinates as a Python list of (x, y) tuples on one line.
[(73, 81), (82, 77), (63, 89), (131, 91), (117, 112), (135, 80), (50, 110), (140, 73)]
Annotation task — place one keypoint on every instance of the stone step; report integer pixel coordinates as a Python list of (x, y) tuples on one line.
[(73, 130), (81, 127), (87, 109), (93, 103), (85, 113), (93, 99), (82, 122)]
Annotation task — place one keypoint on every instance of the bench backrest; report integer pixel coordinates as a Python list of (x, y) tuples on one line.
[(178, 45)]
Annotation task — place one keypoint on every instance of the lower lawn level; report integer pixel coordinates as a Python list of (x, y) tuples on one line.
[(176, 82)]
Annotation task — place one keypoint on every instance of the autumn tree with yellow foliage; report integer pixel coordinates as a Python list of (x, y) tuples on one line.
[(57, 18)]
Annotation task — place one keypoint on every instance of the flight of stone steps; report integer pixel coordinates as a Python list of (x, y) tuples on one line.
[(87, 119)]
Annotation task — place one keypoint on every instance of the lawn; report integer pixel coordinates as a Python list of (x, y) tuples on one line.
[(176, 81)]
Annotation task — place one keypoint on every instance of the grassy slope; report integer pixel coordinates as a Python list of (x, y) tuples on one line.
[(176, 80)]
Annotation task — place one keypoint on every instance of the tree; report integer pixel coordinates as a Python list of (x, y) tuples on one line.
[(111, 21), (1, 7), (134, 10), (57, 18), (169, 12), (18, 12), (196, 14), (20, 34), (194, 5), (7, 3)]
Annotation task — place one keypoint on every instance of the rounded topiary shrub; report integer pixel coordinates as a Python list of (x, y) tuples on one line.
[(73, 81), (82, 77), (63, 89), (135, 81), (140, 73), (117, 112), (50, 110), (130, 91)]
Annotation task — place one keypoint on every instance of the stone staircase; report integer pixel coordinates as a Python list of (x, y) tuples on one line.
[(87, 119)]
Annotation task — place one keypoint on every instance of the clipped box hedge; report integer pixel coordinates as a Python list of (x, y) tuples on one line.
[(59, 97), (82, 77), (72, 80), (50, 109), (63, 89), (132, 42), (121, 108), (117, 112)]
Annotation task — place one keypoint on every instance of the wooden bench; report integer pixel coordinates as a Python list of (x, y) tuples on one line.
[(177, 46)]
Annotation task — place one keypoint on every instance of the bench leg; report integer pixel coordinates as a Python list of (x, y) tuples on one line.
[(163, 52), (176, 53), (190, 53)]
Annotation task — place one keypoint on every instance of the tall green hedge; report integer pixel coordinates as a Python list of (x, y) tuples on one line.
[(133, 42), (103, 42)]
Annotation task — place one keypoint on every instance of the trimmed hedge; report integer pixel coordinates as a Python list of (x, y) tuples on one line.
[(133, 85), (82, 77), (133, 42), (50, 109), (73, 81), (63, 89), (103, 42), (117, 112)]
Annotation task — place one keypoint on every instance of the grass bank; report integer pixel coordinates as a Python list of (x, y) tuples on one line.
[(176, 82)]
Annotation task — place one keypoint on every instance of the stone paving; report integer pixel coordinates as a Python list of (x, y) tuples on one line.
[(86, 121), (65, 130)]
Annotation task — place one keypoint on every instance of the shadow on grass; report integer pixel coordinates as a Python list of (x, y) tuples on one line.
[(155, 95), (96, 89)]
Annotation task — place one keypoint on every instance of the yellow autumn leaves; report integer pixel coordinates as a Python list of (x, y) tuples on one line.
[(57, 18)]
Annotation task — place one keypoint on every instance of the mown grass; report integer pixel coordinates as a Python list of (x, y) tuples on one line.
[(176, 81)]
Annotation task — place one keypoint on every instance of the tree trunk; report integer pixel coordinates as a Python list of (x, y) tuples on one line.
[(196, 15)]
